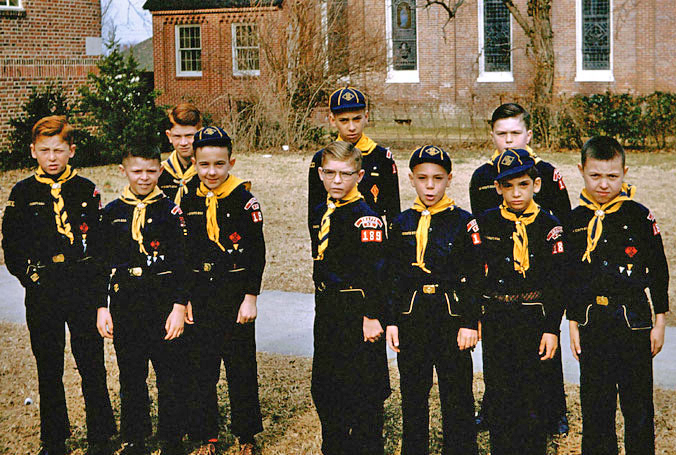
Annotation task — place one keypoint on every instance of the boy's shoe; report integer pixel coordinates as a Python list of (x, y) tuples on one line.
[(247, 448), (134, 448), (206, 449)]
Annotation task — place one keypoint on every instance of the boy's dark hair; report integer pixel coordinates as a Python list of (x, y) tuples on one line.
[(601, 148), (185, 114), (508, 110), (342, 151), (531, 172), (53, 125), (141, 150)]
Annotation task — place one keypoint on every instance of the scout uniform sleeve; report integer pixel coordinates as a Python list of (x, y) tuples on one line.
[(471, 268), (394, 265), (553, 288), (371, 232), (254, 220), (316, 194), (574, 271), (178, 285), (104, 253), (480, 199), (658, 270), (13, 237), (557, 197), (94, 241), (391, 201)]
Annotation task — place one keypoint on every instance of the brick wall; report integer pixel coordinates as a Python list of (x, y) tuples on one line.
[(45, 41)]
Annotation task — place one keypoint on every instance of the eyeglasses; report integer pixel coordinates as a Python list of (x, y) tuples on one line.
[(331, 173)]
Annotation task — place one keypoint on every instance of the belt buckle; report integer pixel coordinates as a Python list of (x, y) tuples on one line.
[(58, 258), (602, 300), (321, 286), (207, 266), (429, 289), (136, 271)]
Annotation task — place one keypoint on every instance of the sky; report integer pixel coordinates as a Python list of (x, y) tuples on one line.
[(131, 22)]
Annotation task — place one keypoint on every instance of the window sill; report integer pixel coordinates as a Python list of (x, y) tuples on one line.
[(246, 74), (595, 76), (496, 77), (402, 77)]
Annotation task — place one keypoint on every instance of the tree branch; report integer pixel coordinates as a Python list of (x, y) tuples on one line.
[(520, 19), (446, 5)]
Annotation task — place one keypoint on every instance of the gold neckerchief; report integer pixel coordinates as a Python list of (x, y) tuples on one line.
[(421, 234), (365, 144), (331, 206), (60, 214), (595, 226), (139, 218), (211, 201), (172, 165), (536, 158), (520, 236)]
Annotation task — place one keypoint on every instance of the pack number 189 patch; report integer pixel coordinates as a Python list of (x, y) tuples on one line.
[(371, 235)]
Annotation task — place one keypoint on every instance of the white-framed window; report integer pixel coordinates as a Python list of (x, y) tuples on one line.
[(335, 31), (245, 50), (188, 50), (594, 40), (401, 22), (11, 5), (495, 42)]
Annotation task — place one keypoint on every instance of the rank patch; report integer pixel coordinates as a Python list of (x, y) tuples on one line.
[(630, 251), (252, 204), (176, 211), (235, 237), (473, 226), (371, 222), (558, 178)]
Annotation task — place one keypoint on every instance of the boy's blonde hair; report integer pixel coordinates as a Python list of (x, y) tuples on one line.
[(342, 151), (54, 125)]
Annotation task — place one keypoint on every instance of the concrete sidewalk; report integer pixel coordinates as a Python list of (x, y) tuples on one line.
[(284, 326)]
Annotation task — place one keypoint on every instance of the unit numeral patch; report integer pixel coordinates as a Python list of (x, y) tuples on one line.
[(371, 235), (558, 247), (476, 238), (257, 216)]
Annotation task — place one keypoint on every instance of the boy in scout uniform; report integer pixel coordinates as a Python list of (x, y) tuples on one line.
[(380, 184), (616, 253), (179, 176), (350, 380), (524, 257), (510, 128), (50, 231), (227, 256), (434, 261), (145, 253)]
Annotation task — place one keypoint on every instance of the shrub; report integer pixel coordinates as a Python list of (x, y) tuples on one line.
[(659, 113)]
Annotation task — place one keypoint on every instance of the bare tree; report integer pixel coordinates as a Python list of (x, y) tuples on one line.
[(537, 26)]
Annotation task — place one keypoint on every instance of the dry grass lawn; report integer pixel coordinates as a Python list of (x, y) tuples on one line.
[(280, 183), (291, 424)]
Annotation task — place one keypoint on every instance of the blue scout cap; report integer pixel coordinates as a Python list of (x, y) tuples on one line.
[(347, 99), (430, 154), (211, 135), (512, 162)]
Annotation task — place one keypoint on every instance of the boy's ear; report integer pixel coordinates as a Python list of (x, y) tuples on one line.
[(33, 151), (530, 136), (498, 188), (121, 167), (168, 133), (232, 162), (537, 184), (410, 178), (360, 175), (626, 169), (72, 151), (332, 119), (192, 158), (450, 177), (580, 168), (321, 174)]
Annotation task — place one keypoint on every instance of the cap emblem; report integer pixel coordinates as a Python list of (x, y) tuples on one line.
[(347, 96), (507, 160)]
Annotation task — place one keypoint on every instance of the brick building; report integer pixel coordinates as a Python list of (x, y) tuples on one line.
[(40, 42), (430, 63)]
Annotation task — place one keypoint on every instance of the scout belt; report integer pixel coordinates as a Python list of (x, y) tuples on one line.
[(531, 296)]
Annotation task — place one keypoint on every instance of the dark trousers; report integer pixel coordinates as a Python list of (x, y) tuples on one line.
[(216, 337), (428, 341), (138, 339), (48, 308), (350, 379), (616, 359), (515, 379)]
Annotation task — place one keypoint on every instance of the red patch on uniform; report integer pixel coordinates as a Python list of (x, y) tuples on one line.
[(84, 228), (651, 217), (155, 244), (388, 154), (473, 226), (181, 221), (371, 235), (252, 204), (235, 237), (176, 210), (476, 238), (96, 192), (257, 216), (656, 229), (555, 233), (558, 247), (369, 222), (394, 168), (631, 251), (557, 177)]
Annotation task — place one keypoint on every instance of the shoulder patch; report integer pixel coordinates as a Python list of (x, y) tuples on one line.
[(473, 226), (388, 153), (558, 178), (372, 222), (176, 210), (651, 217), (555, 233), (252, 204), (394, 168), (656, 228), (256, 216), (476, 238), (96, 192), (557, 247)]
